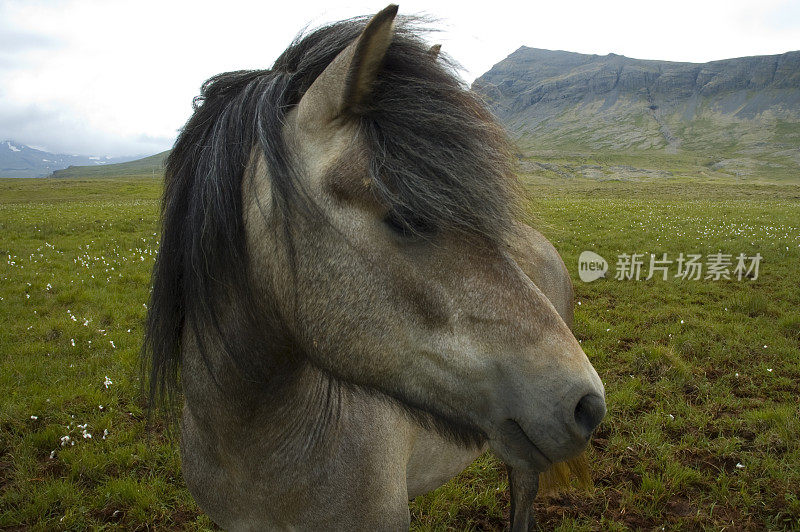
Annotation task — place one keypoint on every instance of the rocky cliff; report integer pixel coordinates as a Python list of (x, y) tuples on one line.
[(746, 108)]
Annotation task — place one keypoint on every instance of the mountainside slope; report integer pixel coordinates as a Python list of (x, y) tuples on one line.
[(19, 160), (152, 165), (743, 113)]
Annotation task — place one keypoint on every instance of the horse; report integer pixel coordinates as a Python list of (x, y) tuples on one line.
[(345, 311)]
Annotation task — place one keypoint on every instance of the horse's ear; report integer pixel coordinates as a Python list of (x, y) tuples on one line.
[(347, 81), (434, 50)]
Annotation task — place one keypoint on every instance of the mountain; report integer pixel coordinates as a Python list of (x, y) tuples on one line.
[(152, 165), (743, 114), (19, 160)]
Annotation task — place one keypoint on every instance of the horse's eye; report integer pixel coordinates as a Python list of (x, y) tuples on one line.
[(408, 225)]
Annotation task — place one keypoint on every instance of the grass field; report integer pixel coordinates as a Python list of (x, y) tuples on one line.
[(702, 377)]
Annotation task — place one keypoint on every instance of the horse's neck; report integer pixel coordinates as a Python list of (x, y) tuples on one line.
[(283, 456), (295, 413)]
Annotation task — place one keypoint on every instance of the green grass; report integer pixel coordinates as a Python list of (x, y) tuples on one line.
[(686, 364)]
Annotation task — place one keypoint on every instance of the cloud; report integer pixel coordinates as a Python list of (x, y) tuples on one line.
[(784, 17), (17, 45), (13, 41), (118, 78), (59, 131)]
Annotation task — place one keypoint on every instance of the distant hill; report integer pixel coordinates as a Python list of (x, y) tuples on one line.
[(744, 114), (19, 160), (153, 165)]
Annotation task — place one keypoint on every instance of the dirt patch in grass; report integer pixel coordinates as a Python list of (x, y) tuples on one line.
[(6, 472)]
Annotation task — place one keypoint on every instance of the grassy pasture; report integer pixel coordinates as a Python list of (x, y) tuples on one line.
[(702, 377)]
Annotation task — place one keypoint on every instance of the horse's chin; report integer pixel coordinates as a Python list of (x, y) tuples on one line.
[(455, 431), (517, 449)]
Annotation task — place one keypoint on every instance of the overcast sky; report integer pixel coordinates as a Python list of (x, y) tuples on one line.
[(117, 78)]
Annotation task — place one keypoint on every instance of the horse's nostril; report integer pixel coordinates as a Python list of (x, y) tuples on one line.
[(589, 412)]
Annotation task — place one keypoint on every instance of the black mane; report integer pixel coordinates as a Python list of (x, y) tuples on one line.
[(433, 148)]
